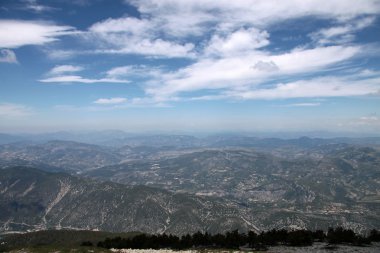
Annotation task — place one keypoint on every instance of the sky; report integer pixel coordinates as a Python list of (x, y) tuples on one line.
[(190, 65)]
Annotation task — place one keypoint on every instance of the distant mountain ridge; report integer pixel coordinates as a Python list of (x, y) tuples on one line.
[(118, 138), (67, 155)]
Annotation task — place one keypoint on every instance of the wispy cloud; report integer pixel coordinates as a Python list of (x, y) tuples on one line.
[(60, 69), (227, 43), (135, 36), (34, 6), (141, 71), (316, 87), (62, 74), (165, 26), (59, 54), (110, 101), (341, 34), (8, 56), (9, 110), (114, 103), (79, 79), (18, 33), (302, 105), (161, 31), (371, 121), (187, 18), (247, 72)]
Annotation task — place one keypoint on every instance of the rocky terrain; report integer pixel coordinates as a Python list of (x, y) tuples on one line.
[(269, 183), (31, 199), (341, 187)]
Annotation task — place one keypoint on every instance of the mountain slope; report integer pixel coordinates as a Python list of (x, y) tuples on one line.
[(31, 199), (341, 187)]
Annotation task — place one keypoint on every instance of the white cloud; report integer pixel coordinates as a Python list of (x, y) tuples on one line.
[(241, 73), (303, 105), (164, 27), (128, 25), (122, 71), (136, 36), (227, 43), (157, 47), (305, 60), (113, 103), (14, 110), (372, 118), (237, 43), (110, 101), (369, 121), (342, 33), (57, 54), (18, 33), (79, 79), (8, 56), (33, 5), (141, 71), (184, 18), (317, 87), (62, 74), (60, 69)]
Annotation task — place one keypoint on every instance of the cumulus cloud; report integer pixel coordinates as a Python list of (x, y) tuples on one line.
[(136, 36), (18, 33), (164, 28), (228, 46), (229, 50), (8, 56), (110, 101), (197, 16), (237, 43)]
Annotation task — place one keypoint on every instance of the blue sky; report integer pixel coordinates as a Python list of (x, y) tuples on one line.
[(194, 65)]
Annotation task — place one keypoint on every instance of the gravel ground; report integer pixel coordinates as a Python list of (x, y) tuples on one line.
[(316, 248), (321, 248)]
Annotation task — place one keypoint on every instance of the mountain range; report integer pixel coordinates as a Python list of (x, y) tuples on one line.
[(257, 184)]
